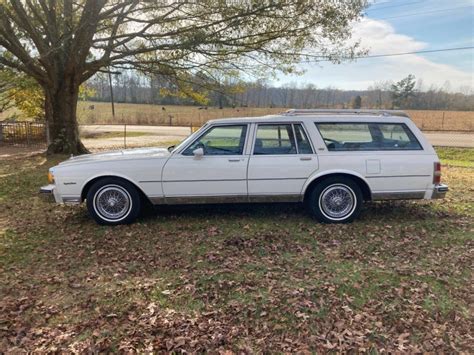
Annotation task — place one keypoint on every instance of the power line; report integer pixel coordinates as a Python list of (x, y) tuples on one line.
[(395, 54), (370, 8), (416, 52), (425, 12)]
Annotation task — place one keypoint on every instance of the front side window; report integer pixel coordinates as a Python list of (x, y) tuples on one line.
[(274, 139), (221, 140), (346, 136)]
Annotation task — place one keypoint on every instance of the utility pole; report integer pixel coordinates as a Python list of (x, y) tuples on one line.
[(112, 95)]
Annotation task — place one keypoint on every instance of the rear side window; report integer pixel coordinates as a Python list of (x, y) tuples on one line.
[(345, 136), (304, 147), (274, 140)]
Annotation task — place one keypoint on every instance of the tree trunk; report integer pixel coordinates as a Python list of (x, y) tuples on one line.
[(61, 120)]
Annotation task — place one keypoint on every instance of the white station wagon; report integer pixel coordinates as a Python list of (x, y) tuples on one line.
[(332, 160)]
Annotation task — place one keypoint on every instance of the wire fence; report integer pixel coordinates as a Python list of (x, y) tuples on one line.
[(22, 134), (155, 115), (454, 129)]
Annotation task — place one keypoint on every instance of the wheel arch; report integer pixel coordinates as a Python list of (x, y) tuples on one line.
[(361, 182), (92, 181)]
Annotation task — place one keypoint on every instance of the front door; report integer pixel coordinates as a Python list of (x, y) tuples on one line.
[(219, 175), (282, 160)]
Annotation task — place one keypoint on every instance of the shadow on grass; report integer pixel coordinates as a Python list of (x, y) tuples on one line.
[(371, 211)]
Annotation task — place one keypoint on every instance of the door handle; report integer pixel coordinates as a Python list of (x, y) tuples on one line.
[(234, 160), (305, 158)]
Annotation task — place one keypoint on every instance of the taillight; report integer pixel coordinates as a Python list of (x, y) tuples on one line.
[(437, 173)]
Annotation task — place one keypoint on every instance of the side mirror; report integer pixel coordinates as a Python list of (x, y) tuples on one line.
[(198, 153), (171, 148)]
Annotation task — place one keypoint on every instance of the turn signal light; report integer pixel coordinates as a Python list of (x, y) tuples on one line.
[(50, 177)]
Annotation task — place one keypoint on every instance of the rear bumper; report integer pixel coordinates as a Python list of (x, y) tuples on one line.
[(439, 191)]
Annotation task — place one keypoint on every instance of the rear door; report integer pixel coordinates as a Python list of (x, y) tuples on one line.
[(388, 155), (281, 160)]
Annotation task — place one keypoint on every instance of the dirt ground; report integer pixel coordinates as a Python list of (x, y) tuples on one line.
[(13, 152)]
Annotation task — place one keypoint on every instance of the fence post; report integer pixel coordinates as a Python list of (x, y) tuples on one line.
[(125, 136), (442, 122), (27, 127)]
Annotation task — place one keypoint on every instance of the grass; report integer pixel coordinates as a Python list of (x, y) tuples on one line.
[(443, 120), (245, 278), (463, 157), (146, 114)]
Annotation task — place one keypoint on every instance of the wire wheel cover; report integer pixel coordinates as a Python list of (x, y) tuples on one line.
[(112, 202), (337, 201)]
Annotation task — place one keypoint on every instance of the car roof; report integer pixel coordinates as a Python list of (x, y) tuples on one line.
[(314, 118)]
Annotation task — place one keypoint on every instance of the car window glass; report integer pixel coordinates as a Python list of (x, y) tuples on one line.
[(304, 147), (367, 136), (274, 139), (220, 140)]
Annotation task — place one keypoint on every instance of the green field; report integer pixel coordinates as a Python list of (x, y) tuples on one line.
[(242, 278), (463, 157)]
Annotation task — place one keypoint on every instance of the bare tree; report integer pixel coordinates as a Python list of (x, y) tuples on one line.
[(62, 43)]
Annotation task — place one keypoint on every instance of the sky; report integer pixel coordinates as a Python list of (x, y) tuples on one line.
[(396, 26)]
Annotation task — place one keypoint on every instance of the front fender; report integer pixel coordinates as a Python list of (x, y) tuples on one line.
[(89, 180)]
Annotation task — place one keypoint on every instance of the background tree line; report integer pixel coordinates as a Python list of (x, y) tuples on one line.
[(408, 93), (61, 44)]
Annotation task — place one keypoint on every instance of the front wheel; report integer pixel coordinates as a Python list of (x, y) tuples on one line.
[(112, 201), (335, 200)]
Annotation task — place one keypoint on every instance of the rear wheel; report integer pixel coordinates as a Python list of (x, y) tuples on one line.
[(112, 201), (335, 200)]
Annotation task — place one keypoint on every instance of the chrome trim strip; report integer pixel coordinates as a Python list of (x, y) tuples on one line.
[(395, 176), (202, 180), (398, 195), (297, 178), (275, 198), (183, 200), (217, 180), (157, 200), (74, 200)]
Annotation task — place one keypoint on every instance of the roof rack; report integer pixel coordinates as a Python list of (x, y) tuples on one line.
[(296, 112)]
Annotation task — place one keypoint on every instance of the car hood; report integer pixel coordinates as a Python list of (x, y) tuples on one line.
[(125, 154)]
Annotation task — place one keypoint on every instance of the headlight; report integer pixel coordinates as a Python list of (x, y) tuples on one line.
[(50, 177)]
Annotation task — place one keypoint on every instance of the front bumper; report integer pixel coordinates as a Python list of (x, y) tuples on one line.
[(439, 191), (49, 192), (48, 189)]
